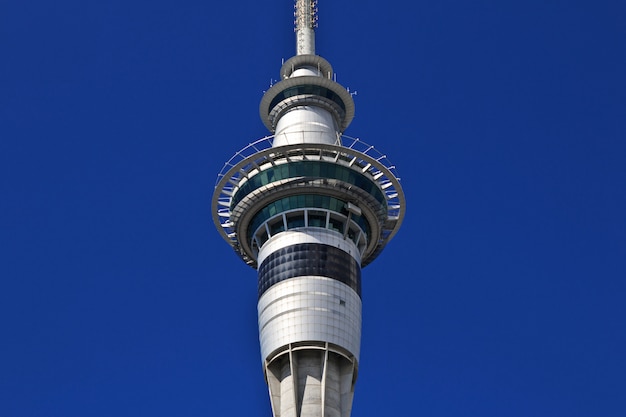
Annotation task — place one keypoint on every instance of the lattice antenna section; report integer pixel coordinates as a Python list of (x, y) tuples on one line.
[(305, 22), (305, 14)]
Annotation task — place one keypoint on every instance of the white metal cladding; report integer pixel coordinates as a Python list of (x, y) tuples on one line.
[(309, 308), (293, 126), (309, 235)]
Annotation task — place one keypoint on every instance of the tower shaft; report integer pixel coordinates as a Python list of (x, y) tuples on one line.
[(308, 211), (311, 382), (309, 321)]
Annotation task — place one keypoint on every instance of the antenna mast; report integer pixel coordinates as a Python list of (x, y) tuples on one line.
[(305, 22)]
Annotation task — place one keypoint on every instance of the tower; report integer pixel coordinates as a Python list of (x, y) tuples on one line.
[(308, 207)]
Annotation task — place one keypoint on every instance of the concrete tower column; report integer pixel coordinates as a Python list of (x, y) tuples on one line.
[(308, 210)]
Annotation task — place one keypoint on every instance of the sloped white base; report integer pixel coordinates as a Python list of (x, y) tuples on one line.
[(311, 380)]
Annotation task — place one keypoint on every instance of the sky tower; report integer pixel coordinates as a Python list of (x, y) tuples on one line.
[(308, 207)]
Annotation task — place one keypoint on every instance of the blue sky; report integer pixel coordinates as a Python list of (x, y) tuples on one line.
[(502, 295)]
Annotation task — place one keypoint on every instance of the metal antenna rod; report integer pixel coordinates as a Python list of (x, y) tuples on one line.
[(305, 23)]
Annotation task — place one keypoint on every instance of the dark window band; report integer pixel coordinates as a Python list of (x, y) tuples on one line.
[(309, 259), (312, 169), (308, 89)]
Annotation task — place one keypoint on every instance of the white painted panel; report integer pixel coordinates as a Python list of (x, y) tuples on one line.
[(309, 309), (309, 235)]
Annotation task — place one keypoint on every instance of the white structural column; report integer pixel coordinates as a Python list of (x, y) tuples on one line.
[(310, 331), (311, 382), (309, 308), (309, 325), (307, 210)]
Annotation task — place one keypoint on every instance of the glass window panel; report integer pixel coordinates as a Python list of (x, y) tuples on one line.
[(352, 234), (316, 259), (262, 237), (309, 168), (295, 220), (335, 224), (296, 169), (277, 227), (317, 219), (315, 170), (324, 170)]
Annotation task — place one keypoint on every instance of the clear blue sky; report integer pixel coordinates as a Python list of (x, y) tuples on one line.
[(502, 295)]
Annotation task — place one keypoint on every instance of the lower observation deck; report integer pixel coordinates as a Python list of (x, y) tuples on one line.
[(372, 181)]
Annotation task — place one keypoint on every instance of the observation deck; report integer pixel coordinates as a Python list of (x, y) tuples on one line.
[(349, 187)]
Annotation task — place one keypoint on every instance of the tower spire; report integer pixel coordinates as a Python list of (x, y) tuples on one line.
[(305, 22)]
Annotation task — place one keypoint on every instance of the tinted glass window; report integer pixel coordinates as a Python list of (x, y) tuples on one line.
[(309, 259), (295, 220), (317, 218), (302, 201), (277, 227), (313, 169), (335, 224), (308, 89)]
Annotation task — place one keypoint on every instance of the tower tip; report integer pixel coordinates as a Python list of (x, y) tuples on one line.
[(305, 14), (305, 22)]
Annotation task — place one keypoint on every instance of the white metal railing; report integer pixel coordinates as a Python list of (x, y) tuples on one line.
[(267, 142)]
